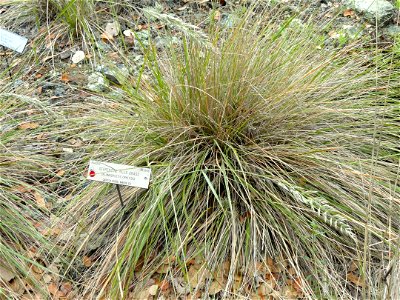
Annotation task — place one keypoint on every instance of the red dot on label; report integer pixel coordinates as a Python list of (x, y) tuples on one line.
[(92, 173)]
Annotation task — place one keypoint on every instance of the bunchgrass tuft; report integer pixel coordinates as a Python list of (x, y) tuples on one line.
[(263, 146), (24, 168)]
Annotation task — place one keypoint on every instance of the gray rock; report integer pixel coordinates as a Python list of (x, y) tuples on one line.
[(353, 31), (229, 20), (116, 75), (59, 92), (393, 31), (66, 54), (166, 41), (143, 37), (381, 10), (97, 82), (17, 83)]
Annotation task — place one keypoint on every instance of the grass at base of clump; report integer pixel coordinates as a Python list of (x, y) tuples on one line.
[(262, 146), (24, 167)]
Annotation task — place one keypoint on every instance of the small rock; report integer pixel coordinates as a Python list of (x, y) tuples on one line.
[(78, 57), (68, 150), (112, 28), (17, 83), (153, 290), (59, 92), (129, 37), (97, 82), (143, 36), (352, 31), (381, 10), (229, 20), (65, 54), (392, 31), (114, 75)]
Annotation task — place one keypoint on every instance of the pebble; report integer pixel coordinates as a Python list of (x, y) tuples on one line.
[(97, 82), (373, 10), (153, 290), (78, 56)]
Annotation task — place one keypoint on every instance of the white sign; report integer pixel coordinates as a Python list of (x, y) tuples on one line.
[(119, 174), (13, 41)]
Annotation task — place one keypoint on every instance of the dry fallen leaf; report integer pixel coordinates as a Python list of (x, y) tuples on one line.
[(158, 26), (41, 136), (111, 30), (272, 266), (17, 286), (87, 261), (28, 125), (164, 285), (60, 173), (296, 284), (52, 288), (37, 269), (65, 78), (164, 268), (39, 199), (215, 287), (348, 13), (353, 267), (356, 280), (142, 27), (273, 277), (113, 55), (20, 189), (190, 262), (289, 293), (265, 289), (55, 231), (65, 288), (170, 259), (106, 37), (236, 286)]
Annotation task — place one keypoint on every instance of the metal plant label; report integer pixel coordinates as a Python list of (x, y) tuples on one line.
[(119, 174), (12, 41)]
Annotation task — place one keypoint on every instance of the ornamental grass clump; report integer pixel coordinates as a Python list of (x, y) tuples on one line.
[(263, 147), (24, 168)]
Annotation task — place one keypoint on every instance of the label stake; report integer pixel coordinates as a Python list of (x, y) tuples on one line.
[(119, 195), (8, 64)]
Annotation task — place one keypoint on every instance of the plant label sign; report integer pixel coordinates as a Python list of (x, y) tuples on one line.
[(13, 41), (119, 174)]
